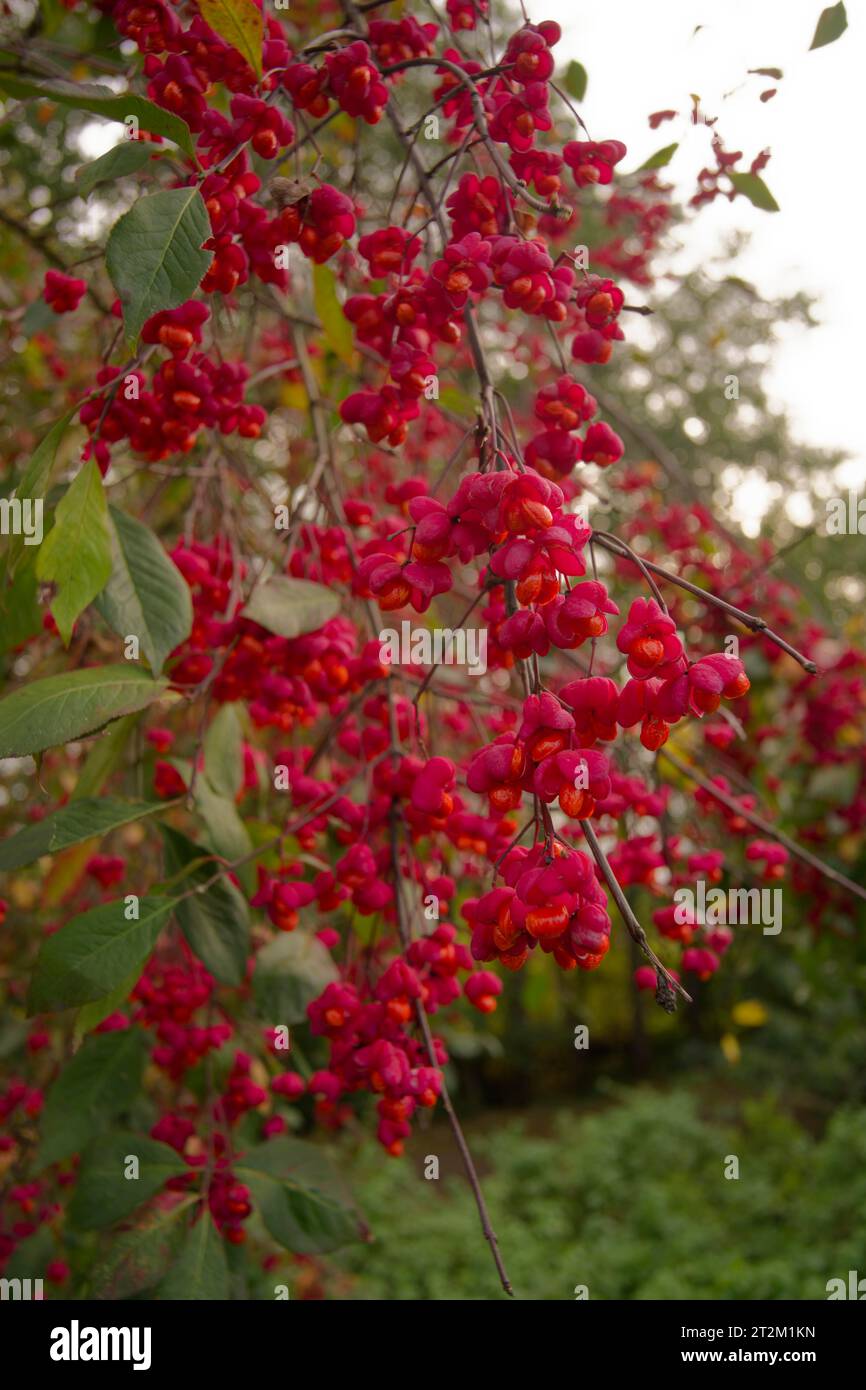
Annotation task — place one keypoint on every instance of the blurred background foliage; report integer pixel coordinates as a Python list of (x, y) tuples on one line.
[(602, 1166), (627, 1198)]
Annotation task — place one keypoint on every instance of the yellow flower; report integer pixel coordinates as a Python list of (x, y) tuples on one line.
[(750, 1013)]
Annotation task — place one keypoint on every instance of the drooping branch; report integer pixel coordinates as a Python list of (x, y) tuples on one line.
[(764, 826), (748, 620), (424, 1025), (667, 987)]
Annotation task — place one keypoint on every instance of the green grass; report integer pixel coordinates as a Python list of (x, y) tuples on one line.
[(630, 1200)]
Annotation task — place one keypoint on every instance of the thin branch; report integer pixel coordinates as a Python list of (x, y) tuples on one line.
[(46, 250), (749, 620), (764, 826), (604, 537), (667, 986), (435, 667), (468, 81), (424, 1024)]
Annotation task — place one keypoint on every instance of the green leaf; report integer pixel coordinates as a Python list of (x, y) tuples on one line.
[(298, 1195), (223, 752), (49, 712), (226, 833), (775, 73), (104, 758), (661, 157), (79, 820), (37, 474), (101, 1080), (76, 555), (53, 14), (154, 255), (20, 609), (94, 952), (38, 317), (137, 1260), (289, 973), (146, 595), (38, 471), (832, 23), (755, 190), (101, 101), (201, 1269), (240, 23), (215, 922), (291, 607), (103, 1194), (337, 329), (126, 158), (835, 783), (90, 1016), (30, 1256), (457, 401), (576, 79)]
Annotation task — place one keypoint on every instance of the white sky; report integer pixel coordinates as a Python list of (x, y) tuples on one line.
[(642, 57)]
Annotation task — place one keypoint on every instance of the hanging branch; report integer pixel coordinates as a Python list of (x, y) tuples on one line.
[(424, 1024), (749, 620), (667, 987), (763, 825)]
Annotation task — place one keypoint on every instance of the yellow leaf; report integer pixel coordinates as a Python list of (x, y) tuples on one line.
[(240, 23), (344, 128), (24, 893), (67, 868), (66, 872), (730, 1047), (293, 395), (680, 742), (749, 1013), (337, 329)]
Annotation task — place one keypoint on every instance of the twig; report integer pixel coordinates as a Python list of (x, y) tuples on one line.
[(435, 667), (468, 81), (764, 826), (604, 537), (667, 985), (44, 248), (749, 620), (424, 1024)]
